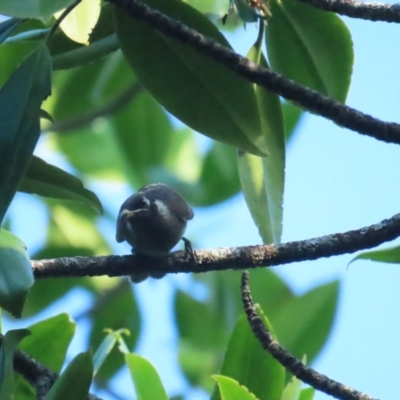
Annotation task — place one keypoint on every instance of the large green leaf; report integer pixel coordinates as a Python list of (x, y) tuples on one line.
[(304, 323), (74, 382), (262, 179), (10, 343), (50, 181), (148, 384), (246, 362), (20, 101), (16, 276), (32, 8), (50, 340), (200, 92), (310, 46), (145, 144), (389, 255)]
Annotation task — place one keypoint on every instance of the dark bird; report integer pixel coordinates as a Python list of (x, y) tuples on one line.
[(153, 221)]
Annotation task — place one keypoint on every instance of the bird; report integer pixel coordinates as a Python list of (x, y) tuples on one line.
[(153, 221)]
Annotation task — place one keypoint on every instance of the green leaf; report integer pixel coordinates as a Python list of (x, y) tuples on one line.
[(146, 144), (74, 382), (80, 22), (292, 116), (33, 8), (16, 276), (262, 179), (9, 345), (106, 346), (147, 382), (303, 44), (20, 100), (200, 92), (230, 389), (292, 390), (11, 56), (7, 27), (303, 323), (307, 394), (389, 255), (45, 346), (74, 225), (49, 181), (103, 315), (218, 167), (246, 362)]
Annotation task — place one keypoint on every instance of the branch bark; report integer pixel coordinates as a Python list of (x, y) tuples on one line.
[(220, 259), (356, 9), (291, 363), (310, 99)]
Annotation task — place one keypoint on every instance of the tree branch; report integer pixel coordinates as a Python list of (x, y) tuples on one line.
[(356, 9), (310, 99), (291, 363), (223, 258), (38, 375)]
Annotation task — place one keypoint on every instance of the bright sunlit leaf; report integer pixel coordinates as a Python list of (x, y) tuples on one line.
[(79, 23)]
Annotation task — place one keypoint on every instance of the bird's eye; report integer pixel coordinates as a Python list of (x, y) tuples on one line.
[(142, 204)]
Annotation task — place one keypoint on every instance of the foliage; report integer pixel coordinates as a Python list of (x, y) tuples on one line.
[(115, 83)]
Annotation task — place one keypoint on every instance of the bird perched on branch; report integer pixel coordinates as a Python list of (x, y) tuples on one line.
[(153, 221)]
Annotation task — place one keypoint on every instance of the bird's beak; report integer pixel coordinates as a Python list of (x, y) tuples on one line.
[(127, 213)]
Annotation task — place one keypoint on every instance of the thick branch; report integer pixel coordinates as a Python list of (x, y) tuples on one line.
[(357, 9), (223, 258), (291, 363), (310, 99)]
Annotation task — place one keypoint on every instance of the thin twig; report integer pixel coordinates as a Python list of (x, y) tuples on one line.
[(357, 9), (61, 18), (310, 99), (291, 363), (237, 258), (110, 108)]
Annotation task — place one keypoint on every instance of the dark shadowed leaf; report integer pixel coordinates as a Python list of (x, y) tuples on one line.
[(32, 8), (20, 101), (304, 44), (200, 92), (10, 343), (50, 181), (7, 27)]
